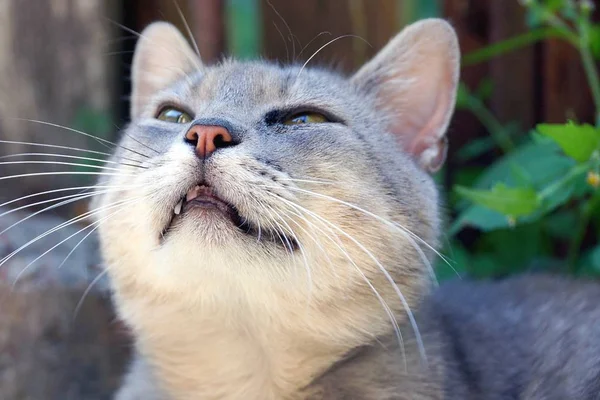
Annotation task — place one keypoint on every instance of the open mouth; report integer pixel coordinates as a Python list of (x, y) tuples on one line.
[(202, 198)]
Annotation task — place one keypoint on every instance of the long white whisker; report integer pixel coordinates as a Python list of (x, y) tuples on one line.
[(55, 146), (187, 28), (57, 191), (101, 140), (52, 207), (57, 228), (120, 205), (382, 269), (288, 28), (390, 224), (71, 157), (168, 49), (312, 40), (87, 291), (339, 245), (60, 163), (327, 44), (63, 173), (302, 252), (70, 196)]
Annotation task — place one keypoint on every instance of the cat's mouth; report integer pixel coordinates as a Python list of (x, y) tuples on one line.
[(202, 200)]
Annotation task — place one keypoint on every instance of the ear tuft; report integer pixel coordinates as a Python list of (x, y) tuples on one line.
[(162, 56), (414, 80)]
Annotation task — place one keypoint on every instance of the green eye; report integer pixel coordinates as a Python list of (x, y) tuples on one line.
[(306, 118), (174, 115)]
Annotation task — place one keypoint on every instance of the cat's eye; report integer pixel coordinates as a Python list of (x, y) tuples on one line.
[(174, 115), (306, 118)]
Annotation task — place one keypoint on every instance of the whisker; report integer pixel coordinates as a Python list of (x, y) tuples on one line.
[(187, 28), (287, 52), (140, 143), (98, 192), (305, 181), (374, 259), (54, 146), (87, 292), (55, 191), (71, 157), (57, 228), (390, 224), (327, 44), (287, 26), (101, 140), (63, 173), (380, 298), (120, 204), (300, 247), (312, 40), (52, 207), (139, 35), (60, 163)]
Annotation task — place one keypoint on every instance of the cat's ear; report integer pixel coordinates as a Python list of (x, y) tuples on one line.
[(414, 80), (162, 56)]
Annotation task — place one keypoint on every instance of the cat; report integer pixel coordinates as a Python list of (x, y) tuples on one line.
[(276, 238)]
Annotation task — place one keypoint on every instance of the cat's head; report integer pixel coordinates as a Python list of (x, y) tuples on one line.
[(255, 180)]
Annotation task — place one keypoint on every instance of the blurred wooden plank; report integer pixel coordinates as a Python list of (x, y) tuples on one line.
[(290, 26), (470, 19), (565, 91), (512, 74), (54, 67), (207, 25)]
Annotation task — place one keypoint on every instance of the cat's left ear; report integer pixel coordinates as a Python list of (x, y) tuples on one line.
[(414, 80), (162, 56)]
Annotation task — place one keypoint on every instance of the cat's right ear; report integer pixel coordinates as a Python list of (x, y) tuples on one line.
[(162, 56), (414, 81)]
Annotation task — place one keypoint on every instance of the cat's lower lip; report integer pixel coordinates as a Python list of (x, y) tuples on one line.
[(210, 204), (202, 197), (201, 201)]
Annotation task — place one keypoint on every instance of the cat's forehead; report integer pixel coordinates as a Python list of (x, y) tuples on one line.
[(247, 84)]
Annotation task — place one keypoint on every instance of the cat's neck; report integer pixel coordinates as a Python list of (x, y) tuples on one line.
[(236, 350)]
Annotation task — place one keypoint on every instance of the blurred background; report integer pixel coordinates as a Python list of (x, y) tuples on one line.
[(520, 182)]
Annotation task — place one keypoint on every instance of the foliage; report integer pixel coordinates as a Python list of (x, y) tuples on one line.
[(536, 206)]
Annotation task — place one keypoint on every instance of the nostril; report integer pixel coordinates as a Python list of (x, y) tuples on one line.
[(191, 136), (220, 141)]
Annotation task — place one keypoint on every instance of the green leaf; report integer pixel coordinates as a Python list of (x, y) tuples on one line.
[(485, 89), (514, 202), (462, 96), (540, 159), (594, 37), (589, 264), (577, 141), (481, 218)]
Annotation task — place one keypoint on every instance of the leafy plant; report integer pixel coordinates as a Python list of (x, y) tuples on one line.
[(535, 207)]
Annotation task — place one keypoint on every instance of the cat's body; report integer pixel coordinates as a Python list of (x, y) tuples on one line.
[(531, 337), (279, 224)]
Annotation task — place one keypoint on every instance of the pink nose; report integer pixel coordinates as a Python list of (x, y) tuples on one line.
[(208, 138)]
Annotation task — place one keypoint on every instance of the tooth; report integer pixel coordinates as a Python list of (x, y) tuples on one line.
[(177, 209)]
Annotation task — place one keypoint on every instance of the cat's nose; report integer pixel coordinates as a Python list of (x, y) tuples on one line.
[(208, 138)]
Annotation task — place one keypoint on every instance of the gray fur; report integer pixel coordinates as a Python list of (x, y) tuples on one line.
[(530, 337)]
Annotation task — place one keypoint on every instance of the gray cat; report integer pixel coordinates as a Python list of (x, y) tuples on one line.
[(271, 234)]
